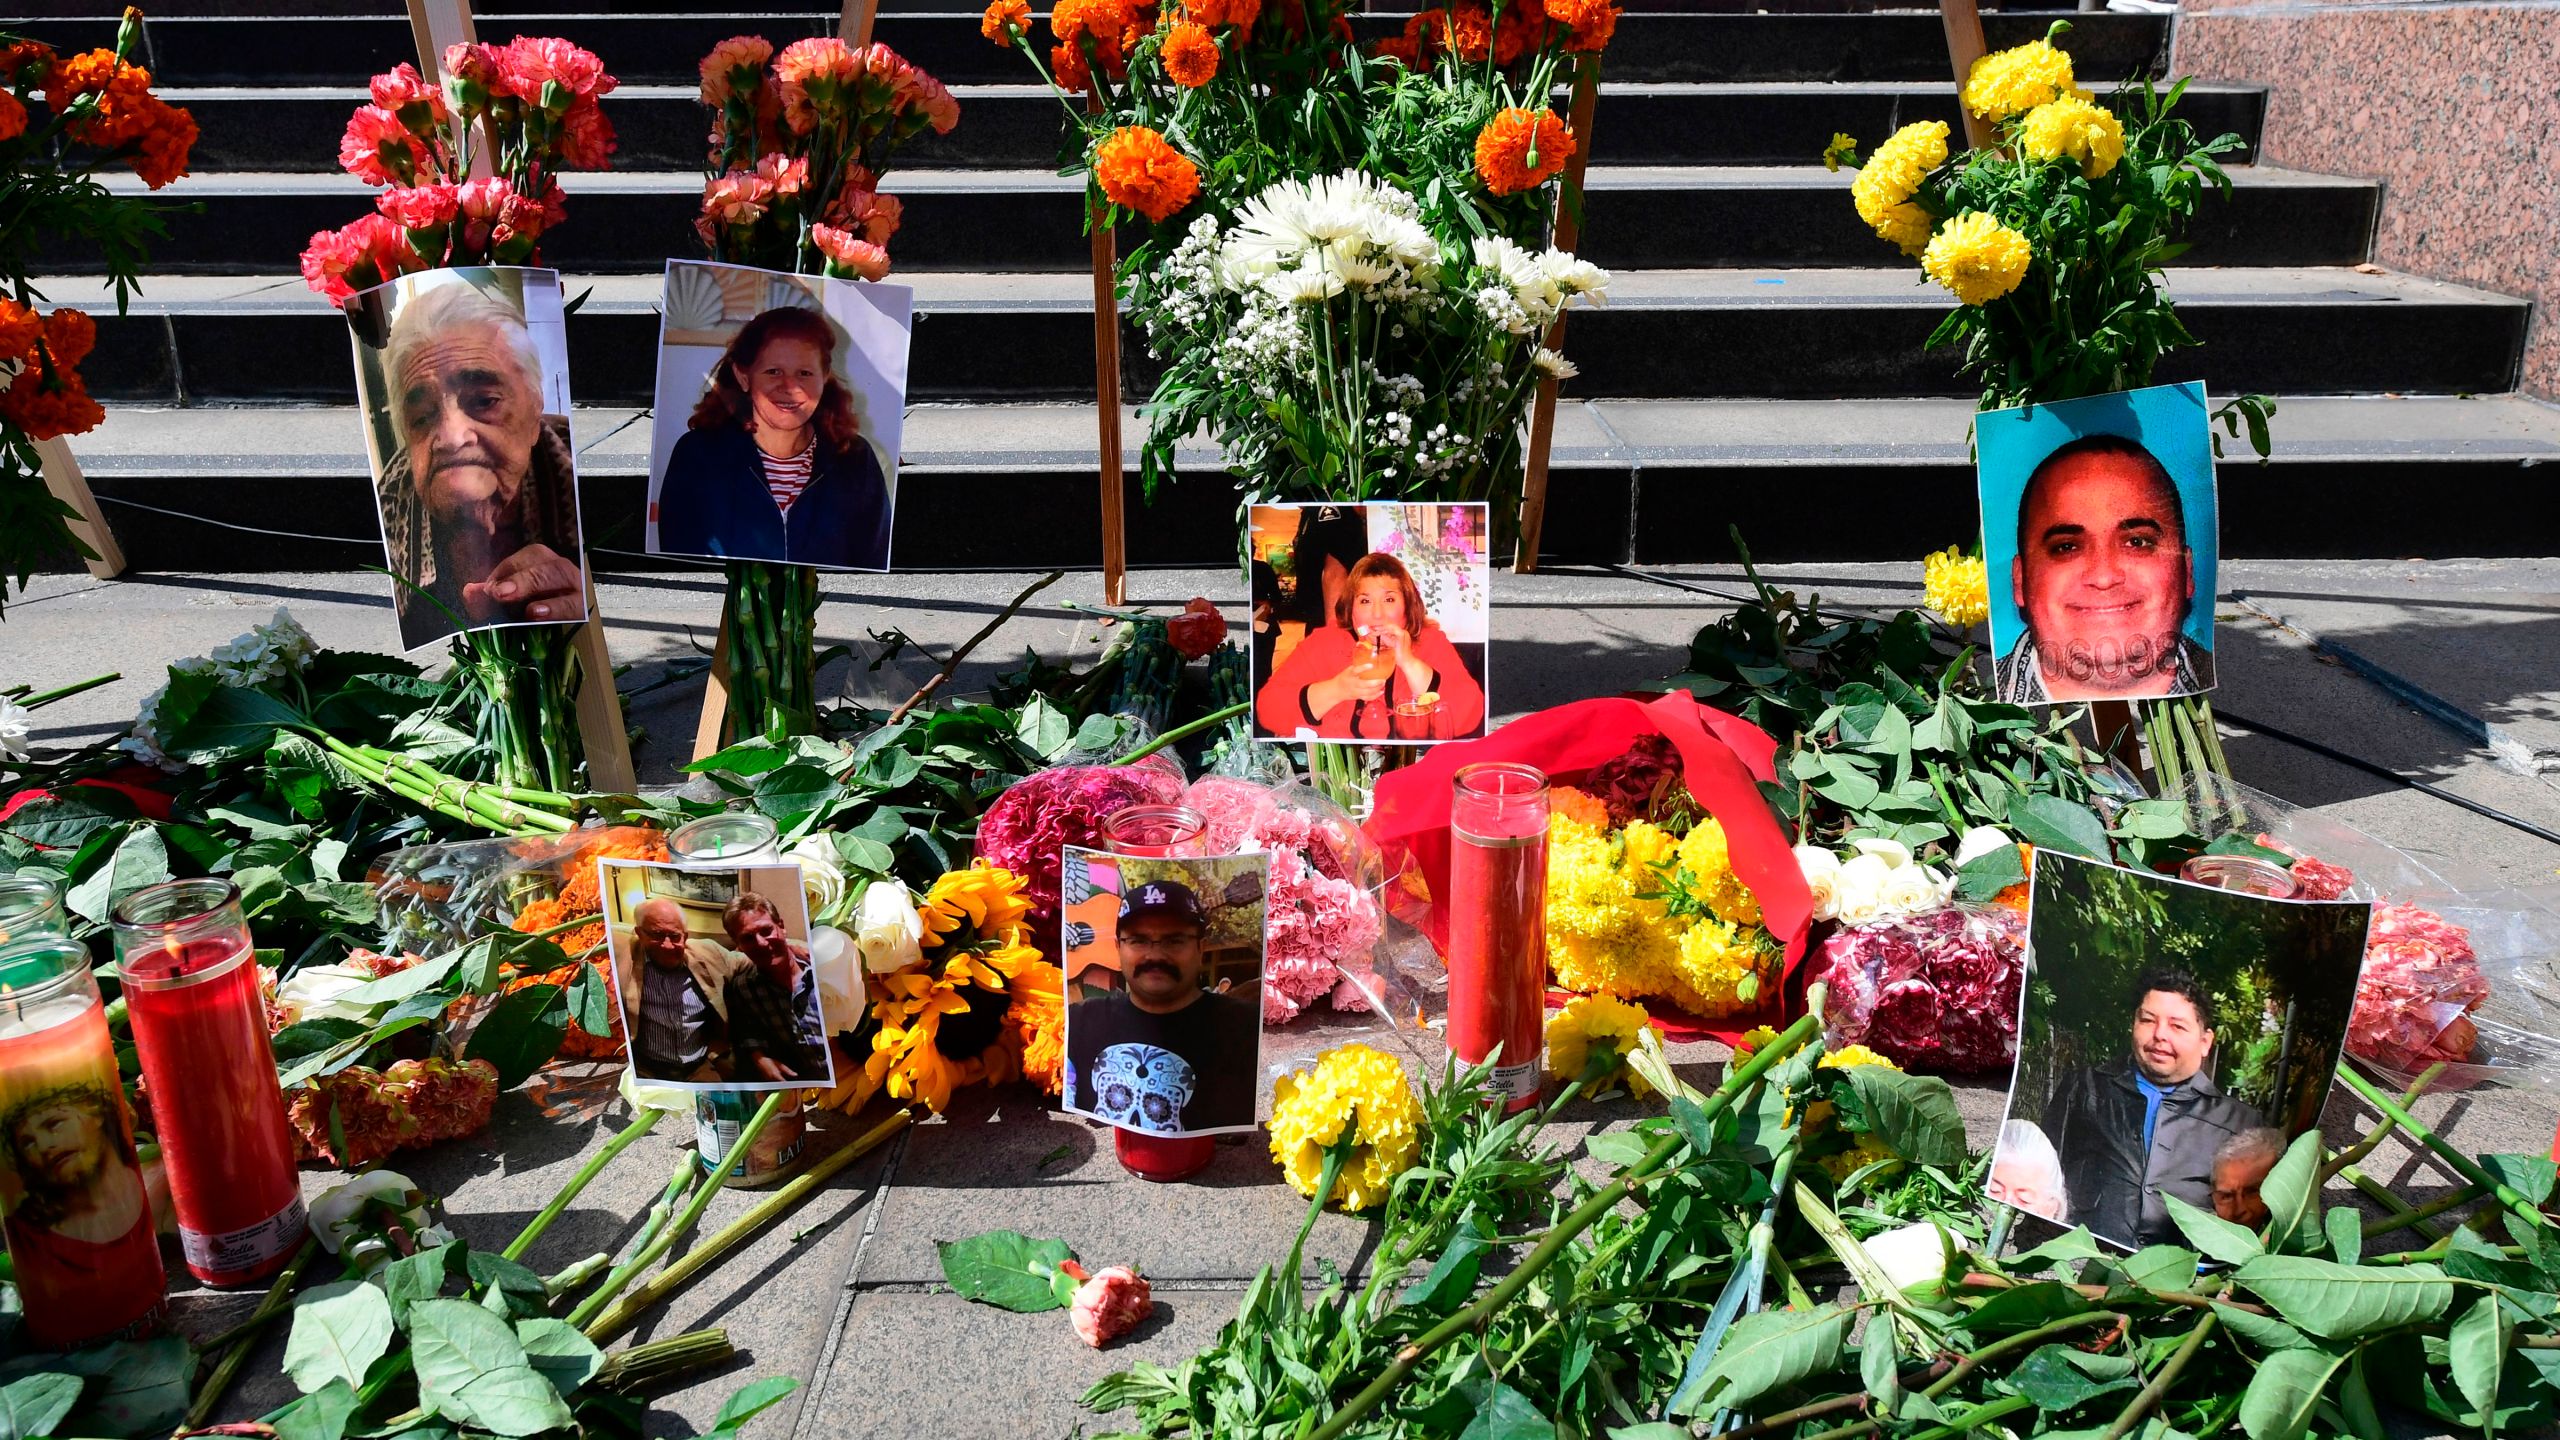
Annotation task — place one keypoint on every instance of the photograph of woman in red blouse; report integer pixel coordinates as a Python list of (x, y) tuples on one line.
[(1379, 668)]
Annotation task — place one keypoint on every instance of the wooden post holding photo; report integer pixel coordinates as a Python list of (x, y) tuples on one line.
[(62, 477), (1106, 395), (434, 25), (1568, 234)]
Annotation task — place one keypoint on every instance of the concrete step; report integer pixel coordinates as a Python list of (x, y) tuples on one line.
[(663, 127), (1011, 486), (663, 49), (1670, 334), (1032, 220)]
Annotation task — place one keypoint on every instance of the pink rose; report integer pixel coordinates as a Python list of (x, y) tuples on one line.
[(1108, 1305)]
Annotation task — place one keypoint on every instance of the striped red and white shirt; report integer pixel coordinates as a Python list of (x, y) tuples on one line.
[(786, 478)]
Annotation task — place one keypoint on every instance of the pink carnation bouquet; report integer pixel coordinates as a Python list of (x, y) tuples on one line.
[(1323, 917), (1043, 812), (535, 98), (1936, 991)]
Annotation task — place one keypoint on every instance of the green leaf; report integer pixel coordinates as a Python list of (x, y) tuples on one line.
[(2292, 1193), (2529, 1175), (2340, 1302), (1984, 876), (401, 984), (2057, 1378), (795, 790), (1765, 1351), (1452, 1277), (65, 819), (2285, 1391), (1879, 1367), (590, 1004), (521, 1033), (1005, 1268), (1503, 1413), (2478, 1345), (2025, 1307), (473, 1371), (2264, 1331), (2160, 1268), (2210, 1233), (136, 1387), (2074, 1244), (520, 1289), (232, 721), (2346, 1235), (2053, 823), (321, 1415), (413, 1278), (141, 860), (560, 1351), (338, 1332), (747, 757), (1914, 1115), (747, 1403), (31, 1408)]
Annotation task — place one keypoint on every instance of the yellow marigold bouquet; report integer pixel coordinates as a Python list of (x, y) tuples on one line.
[(978, 1005), (1648, 910), (2052, 240)]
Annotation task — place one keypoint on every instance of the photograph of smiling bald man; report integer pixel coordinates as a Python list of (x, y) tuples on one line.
[(463, 378), (2100, 536)]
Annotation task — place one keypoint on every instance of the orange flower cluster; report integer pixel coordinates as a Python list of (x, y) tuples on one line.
[(1190, 56), (1090, 30), (39, 359), (410, 1106), (1469, 32), (579, 896), (1521, 149), (1214, 13), (1588, 23), (106, 104), (1005, 21), (1139, 170)]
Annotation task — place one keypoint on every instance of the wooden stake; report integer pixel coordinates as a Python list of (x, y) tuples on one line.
[(854, 23), (1106, 397), (1963, 21), (62, 476), (1568, 234), (433, 25)]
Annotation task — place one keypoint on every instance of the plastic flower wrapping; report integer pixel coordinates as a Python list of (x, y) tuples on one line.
[(1936, 991), (2458, 965), (1323, 916)]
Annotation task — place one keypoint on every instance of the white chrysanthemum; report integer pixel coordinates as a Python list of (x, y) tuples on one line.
[(1312, 285), (1350, 224), (16, 723), (1575, 276), (1551, 363)]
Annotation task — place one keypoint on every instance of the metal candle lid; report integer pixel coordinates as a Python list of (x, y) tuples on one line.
[(735, 837)]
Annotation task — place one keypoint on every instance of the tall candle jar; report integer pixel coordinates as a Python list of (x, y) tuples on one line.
[(191, 984), (77, 1216), (1498, 923), (30, 907), (1157, 832)]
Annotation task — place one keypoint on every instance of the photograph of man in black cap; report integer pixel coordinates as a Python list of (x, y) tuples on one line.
[(1164, 1052)]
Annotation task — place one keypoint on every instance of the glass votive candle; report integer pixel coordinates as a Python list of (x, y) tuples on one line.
[(79, 1225), (200, 1027), (2246, 874), (736, 838), (30, 907)]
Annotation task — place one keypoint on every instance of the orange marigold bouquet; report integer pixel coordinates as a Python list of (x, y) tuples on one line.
[(64, 118), (1345, 276), (534, 99)]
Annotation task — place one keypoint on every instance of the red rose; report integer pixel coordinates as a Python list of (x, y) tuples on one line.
[(1198, 630)]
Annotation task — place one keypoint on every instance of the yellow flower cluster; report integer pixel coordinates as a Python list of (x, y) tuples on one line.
[(1977, 258), (1956, 586), (1355, 1096), (2070, 128), (2017, 80), (1885, 184), (1843, 150), (1638, 912), (1864, 1150), (1596, 1021)]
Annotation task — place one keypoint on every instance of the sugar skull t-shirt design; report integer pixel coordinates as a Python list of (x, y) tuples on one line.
[(1143, 1087)]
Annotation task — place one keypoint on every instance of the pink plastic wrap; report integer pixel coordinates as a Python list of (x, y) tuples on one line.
[(2420, 984), (1324, 918), (1936, 991)]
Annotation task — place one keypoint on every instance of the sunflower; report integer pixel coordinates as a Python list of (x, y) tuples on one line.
[(979, 1002)]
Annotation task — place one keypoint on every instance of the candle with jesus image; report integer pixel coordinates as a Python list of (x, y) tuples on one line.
[(200, 1027), (78, 1219)]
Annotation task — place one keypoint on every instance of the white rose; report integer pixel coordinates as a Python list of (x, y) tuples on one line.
[(1860, 889), (1912, 1255), (15, 722), (887, 928), (1944, 882), (654, 1097), (840, 997), (1893, 853), (342, 1219), (821, 873), (1979, 841), (1909, 890), (318, 992), (1821, 876)]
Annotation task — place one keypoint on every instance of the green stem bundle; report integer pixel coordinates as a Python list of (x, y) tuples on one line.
[(649, 1254), (771, 617)]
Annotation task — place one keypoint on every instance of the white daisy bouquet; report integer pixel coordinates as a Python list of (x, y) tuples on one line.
[(1338, 349)]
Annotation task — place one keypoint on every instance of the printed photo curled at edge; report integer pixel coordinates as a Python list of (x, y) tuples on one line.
[(2174, 1038), (1163, 959), (2101, 540), (712, 976), (1369, 622), (462, 378), (781, 407)]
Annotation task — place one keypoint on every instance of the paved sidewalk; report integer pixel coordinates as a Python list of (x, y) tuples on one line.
[(843, 1294)]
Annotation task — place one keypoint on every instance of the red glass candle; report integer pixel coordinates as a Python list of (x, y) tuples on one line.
[(1151, 832), (1498, 922), (200, 1026), (78, 1218)]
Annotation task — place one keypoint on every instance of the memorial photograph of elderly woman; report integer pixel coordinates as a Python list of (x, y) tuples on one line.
[(2176, 1037), (780, 403), (463, 376)]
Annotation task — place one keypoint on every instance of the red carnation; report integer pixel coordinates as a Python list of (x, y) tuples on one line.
[(378, 150), (1198, 630)]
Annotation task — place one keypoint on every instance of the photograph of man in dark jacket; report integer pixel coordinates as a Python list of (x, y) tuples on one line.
[(2148, 1125)]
